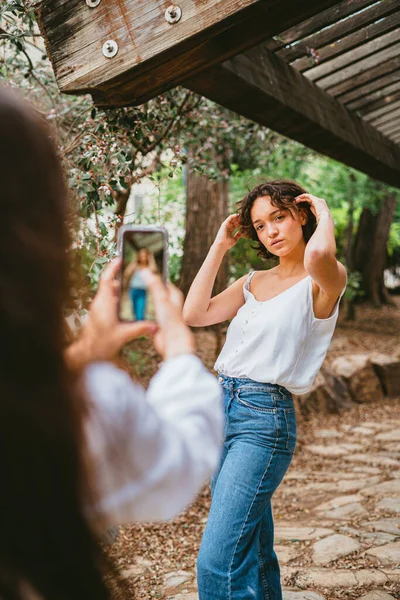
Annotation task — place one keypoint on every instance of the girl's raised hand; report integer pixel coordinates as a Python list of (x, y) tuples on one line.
[(318, 205), (225, 236)]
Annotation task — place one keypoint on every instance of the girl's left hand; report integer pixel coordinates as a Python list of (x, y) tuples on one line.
[(318, 205)]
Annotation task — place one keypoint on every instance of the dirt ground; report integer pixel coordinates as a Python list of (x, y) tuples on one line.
[(148, 554)]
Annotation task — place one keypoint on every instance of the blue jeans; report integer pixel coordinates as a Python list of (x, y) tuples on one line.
[(138, 297), (236, 559)]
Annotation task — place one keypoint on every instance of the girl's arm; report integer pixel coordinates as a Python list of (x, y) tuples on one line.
[(200, 309), (320, 254)]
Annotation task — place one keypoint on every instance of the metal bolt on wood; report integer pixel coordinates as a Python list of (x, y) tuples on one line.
[(173, 14), (110, 48), (93, 3)]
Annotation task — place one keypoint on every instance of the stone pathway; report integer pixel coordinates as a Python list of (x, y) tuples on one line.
[(340, 537)]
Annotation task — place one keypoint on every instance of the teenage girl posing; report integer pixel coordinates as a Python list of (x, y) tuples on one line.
[(282, 323)]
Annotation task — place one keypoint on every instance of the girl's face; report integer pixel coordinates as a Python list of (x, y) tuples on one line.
[(277, 229), (142, 256)]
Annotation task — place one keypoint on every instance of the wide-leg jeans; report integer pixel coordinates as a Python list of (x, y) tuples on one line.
[(236, 559)]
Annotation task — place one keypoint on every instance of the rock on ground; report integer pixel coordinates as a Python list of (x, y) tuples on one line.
[(389, 554), (333, 547), (302, 596), (377, 595)]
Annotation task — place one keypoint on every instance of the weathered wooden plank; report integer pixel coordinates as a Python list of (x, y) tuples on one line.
[(389, 128), (392, 102), (354, 56), (323, 19), (154, 55), (359, 92), (338, 47), (262, 87), (341, 33), (354, 69), (367, 76), (387, 119), (386, 126), (373, 100)]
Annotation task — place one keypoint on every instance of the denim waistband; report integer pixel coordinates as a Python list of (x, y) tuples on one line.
[(241, 382)]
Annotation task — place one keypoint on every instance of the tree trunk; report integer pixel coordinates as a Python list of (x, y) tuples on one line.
[(348, 246), (206, 208), (370, 250)]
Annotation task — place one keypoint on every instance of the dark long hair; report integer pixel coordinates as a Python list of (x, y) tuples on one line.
[(282, 193), (46, 542)]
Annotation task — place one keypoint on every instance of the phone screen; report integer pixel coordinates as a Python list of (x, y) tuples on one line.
[(140, 250)]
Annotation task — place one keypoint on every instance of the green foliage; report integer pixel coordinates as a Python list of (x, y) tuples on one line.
[(106, 153), (353, 289)]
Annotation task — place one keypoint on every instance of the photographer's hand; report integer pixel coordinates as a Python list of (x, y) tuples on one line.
[(173, 336), (104, 334)]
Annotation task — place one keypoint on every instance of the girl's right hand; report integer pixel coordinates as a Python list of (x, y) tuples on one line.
[(225, 235)]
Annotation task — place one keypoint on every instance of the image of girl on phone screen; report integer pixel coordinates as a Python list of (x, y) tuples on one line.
[(283, 320), (144, 259)]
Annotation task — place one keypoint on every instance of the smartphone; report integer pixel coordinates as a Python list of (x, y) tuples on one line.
[(141, 247)]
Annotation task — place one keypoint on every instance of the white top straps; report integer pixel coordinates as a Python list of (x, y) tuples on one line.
[(279, 340)]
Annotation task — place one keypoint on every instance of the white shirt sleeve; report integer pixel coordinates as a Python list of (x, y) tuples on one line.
[(152, 451)]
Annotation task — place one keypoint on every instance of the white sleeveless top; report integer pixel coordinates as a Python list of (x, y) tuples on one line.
[(279, 340)]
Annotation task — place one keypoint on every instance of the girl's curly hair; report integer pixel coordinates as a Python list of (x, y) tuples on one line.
[(282, 193)]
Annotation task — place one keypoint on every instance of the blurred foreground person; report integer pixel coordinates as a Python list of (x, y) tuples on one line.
[(81, 446)]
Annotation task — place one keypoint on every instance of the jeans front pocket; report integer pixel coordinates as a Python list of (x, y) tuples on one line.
[(257, 398), (291, 430)]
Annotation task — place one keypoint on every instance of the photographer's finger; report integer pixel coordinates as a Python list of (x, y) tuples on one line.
[(175, 295), (135, 330), (109, 273)]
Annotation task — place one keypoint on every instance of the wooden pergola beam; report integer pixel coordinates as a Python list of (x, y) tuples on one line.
[(262, 87), (154, 55)]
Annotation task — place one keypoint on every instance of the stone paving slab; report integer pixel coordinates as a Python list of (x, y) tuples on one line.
[(328, 433), (346, 513), (388, 554), (374, 538), (362, 430), (348, 485), (176, 578), (365, 469), (387, 525), (389, 436), (286, 553), (389, 504), (339, 501), (302, 596), (373, 459), (340, 578), (377, 595), (386, 487), (337, 450), (333, 547), (301, 533)]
